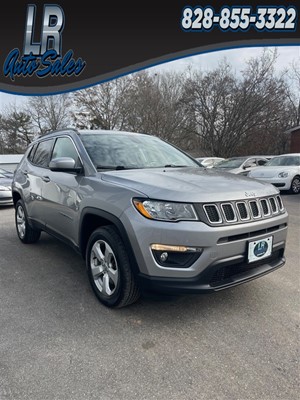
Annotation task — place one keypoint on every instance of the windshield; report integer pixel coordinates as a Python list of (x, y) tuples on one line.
[(119, 151), (284, 161), (231, 163)]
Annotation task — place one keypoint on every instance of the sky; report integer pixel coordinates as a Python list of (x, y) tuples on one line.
[(206, 61)]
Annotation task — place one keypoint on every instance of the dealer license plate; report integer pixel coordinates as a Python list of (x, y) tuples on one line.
[(260, 249)]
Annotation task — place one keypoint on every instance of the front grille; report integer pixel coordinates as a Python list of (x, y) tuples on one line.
[(273, 205), (232, 212), (265, 207), (212, 213), (228, 212), (280, 204), (243, 212), (254, 209)]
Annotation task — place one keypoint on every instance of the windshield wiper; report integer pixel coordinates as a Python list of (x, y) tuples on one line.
[(114, 167), (175, 166)]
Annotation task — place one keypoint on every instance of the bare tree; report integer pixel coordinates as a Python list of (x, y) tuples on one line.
[(49, 113), (227, 109), (153, 106), (102, 106), (293, 94)]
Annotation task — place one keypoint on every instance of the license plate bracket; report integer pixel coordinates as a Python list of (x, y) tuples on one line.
[(260, 249)]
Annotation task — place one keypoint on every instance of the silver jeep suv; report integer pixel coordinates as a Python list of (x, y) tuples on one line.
[(146, 216)]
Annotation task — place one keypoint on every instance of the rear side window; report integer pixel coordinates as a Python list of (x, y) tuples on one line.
[(261, 162), (41, 157), (31, 154)]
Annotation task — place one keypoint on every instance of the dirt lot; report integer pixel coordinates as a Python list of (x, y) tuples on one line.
[(58, 342)]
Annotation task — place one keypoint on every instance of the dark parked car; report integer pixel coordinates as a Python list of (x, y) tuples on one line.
[(145, 216)]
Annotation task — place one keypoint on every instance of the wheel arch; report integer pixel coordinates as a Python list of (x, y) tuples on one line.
[(93, 218), (16, 197), (296, 176)]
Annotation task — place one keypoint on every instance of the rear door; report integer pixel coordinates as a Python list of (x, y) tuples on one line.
[(35, 171)]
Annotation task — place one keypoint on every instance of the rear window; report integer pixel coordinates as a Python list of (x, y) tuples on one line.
[(42, 154)]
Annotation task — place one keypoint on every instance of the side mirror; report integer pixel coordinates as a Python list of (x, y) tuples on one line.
[(63, 164), (248, 166)]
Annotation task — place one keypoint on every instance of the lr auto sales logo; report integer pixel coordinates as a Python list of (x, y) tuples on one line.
[(44, 58)]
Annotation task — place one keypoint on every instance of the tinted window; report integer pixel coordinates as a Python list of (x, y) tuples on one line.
[(31, 154), (261, 162), (42, 154), (64, 147)]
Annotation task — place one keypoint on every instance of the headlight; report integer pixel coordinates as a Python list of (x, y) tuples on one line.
[(4, 188), (165, 211), (283, 174)]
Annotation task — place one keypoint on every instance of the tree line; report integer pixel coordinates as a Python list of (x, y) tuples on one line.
[(220, 112)]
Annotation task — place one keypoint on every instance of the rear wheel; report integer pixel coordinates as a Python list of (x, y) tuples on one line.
[(295, 185), (109, 269), (25, 232)]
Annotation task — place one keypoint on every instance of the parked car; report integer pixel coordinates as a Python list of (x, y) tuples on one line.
[(282, 171), (146, 216), (209, 162), (7, 174), (241, 165), (5, 190)]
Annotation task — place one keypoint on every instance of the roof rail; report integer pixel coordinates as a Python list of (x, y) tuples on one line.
[(60, 130)]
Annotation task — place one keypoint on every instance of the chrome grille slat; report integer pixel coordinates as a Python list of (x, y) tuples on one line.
[(273, 204), (280, 204), (255, 209), (212, 213), (229, 212), (243, 211), (265, 207)]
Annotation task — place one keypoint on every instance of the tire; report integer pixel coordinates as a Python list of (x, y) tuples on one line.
[(295, 185), (25, 232), (109, 269)]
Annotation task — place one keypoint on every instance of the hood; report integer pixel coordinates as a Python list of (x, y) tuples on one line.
[(272, 172), (189, 184), (7, 182)]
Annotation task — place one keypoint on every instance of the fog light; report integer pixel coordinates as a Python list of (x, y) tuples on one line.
[(175, 256), (163, 257)]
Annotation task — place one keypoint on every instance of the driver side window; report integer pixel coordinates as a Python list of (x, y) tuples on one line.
[(64, 147), (250, 163)]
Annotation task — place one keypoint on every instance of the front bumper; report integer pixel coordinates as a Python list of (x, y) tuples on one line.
[(223, 262), (6, 197), (219, 276), (280, 183)]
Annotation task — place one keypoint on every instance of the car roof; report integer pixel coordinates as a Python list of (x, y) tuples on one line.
[(288, 154), (89, 132)]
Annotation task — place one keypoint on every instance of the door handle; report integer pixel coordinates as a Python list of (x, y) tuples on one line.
[(46, 178), (25, 172)]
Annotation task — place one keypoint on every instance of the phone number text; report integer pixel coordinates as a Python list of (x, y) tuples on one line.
[(239, 18)]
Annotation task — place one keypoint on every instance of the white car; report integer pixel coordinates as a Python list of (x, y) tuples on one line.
[(282, 171), (209, 162), (241, 165)]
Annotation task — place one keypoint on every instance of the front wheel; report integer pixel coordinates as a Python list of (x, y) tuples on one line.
[(109, 269), (25, 232), (295, 185)]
